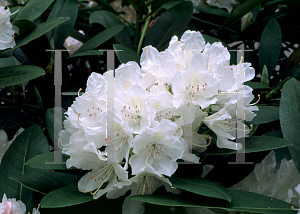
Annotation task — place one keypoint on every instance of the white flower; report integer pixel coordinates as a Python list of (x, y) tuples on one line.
[(158, 147), (224, 126), (144, 182), (4, 143), (12, 206), (72, 44), (133, 109), (95, 179), (6, 31), (280, 185)]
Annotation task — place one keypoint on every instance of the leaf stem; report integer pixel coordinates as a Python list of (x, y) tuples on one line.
[(144, 30)]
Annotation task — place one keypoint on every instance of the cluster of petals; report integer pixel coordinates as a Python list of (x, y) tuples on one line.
[(7, 30), (12, 206), (156, 110)]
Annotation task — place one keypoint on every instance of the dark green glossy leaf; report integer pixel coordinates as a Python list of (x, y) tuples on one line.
[(266, 114), (290, 117), (100, 38), (39, 161), (40, 30), (201, 186), (241, 201), (24, 25), (7, 53), (168, 5), (13, 75), (113, 206), (63, 8), (126, 55), (28, 144), (65, 197), (108, 19), (10, 61), (257, 85), (170, 23), (270, 46), (254, 144), (45, 181), (38, 97), (33, 9), (212, 10)]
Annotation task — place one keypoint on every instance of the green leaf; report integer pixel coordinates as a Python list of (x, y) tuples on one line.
[(63, 8), (38, 97), (266, 114), (240, 11), (290, 117), (50, 117), (33, 9), (110, 206), (108, 19), (265, 77), (257, 85), (201, 186), (270, 46), (7, 53), (40, 30), (24, 25), (254, 144), (212, 10), (86, 53), (65, 197), (100, 38), (39, 161), (45, 181), (170, 23), (10, 61), (29, 143), (126, 55), (13, 75), (241, 201)]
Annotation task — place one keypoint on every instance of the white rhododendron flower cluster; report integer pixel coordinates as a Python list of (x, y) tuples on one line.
[(12, 206), (7, 31), (158, 109)]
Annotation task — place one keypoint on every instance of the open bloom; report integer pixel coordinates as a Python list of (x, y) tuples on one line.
[(6, 30), (145, 182), (12, 206), (158, 147)]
